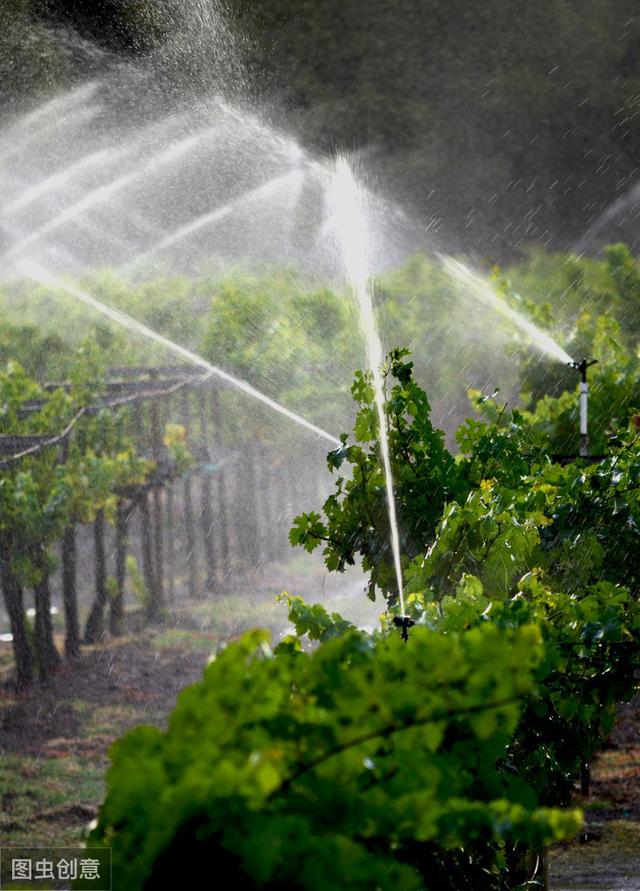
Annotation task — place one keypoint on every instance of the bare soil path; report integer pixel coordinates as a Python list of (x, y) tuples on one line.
[(54, 740), (606, 856)]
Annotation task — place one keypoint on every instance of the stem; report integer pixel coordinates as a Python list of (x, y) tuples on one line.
[(385, 732)]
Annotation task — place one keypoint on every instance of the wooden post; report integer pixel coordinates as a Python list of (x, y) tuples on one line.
[(222, 537), (279, 508), (14, 601), (94, 628), (158, 549), (189, 520), (144, 518), (169, 528), (70, 592), (137, 416), (256, 496), (147, 555), (206, 507), (69, 588), (171, 553), (116, 606), (249, 504), (271, 499), (48, 656)]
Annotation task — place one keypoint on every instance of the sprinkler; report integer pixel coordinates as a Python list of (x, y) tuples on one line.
[(403, 623), (582, 366)]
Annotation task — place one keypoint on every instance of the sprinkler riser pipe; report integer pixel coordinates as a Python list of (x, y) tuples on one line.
[(583, 397), (584, 433)]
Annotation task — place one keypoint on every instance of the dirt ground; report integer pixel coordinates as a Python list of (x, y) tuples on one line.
[(606, 855), (54, 741)]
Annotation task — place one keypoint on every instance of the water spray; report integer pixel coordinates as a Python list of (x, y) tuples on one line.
[(582, 367), (484, 290), (105, 192), (350, 226), (215, 216), (41, 275)]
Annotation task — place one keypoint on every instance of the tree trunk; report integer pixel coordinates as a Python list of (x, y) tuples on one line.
[(222, 523), (284, 509), (15, 608), (48, 656), (168, 524), (545, 870), (249, 505), (69, 593), (267, 527), (191, 557), (585, 779), (158, 544), (94, 629), (171, 545), (116, 606), (206, 507), (153, 606)]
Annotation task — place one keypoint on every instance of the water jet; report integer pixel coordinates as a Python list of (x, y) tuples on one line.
[(35, 271), (350, 224), (482, 289)]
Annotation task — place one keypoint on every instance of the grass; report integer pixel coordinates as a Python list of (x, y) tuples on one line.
[(183, 638), (230, 615), (106, 720), (47, 801)]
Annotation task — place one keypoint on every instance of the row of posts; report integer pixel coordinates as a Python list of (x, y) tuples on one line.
[(190, 534)]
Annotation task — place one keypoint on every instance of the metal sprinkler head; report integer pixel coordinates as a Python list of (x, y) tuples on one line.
[(582, 366), (403, 623)]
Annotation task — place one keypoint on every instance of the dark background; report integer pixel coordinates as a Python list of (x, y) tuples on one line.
[(498, 124)]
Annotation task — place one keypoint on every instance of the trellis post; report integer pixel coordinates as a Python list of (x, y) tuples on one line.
[(206, 508), (156, 454), (95, 623), (222, 529), (116, 606), (189, 520), (69, 588)]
